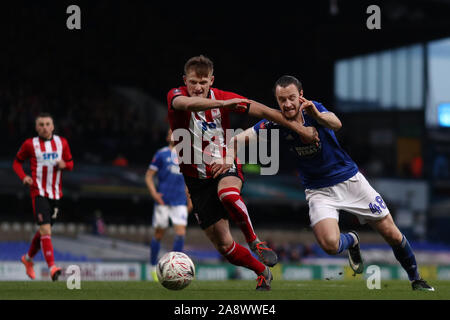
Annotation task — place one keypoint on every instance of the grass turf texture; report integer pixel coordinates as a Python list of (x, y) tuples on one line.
[(223, 290)]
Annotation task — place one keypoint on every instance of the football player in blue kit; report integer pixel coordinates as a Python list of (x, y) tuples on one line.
[(171, 198), (332, 181)]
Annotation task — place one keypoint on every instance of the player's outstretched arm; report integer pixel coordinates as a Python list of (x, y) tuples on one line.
[(201, 104), (308, 134), (327, 119)]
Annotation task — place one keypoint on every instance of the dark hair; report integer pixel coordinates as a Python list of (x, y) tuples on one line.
[(202, 66), (44, 115), (286, 80)]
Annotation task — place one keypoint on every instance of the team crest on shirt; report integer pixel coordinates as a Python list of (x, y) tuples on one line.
[(176, 91), (215, 113), (173, 158)]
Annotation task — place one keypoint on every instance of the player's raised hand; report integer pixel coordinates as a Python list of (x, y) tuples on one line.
[(309, 107), (28, 181), (236, 104)]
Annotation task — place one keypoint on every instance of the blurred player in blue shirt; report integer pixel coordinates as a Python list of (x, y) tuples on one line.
[(171, 198), (332, 181)]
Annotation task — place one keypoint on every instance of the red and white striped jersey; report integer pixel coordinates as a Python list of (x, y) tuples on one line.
[(207, 130), (43, 155)]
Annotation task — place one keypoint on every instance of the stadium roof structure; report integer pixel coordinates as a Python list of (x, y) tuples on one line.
[(146, 44)]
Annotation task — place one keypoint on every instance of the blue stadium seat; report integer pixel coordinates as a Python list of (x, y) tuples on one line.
[(13, 251)]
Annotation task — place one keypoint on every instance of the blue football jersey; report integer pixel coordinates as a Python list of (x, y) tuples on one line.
[(170, 180), (319, 166)]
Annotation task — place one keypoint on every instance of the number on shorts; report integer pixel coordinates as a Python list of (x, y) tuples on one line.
[(378, 206), (380, 201)]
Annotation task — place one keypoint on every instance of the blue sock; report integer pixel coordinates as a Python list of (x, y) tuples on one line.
[(178, 243), (345, 242), (155, 245), (405, 256)]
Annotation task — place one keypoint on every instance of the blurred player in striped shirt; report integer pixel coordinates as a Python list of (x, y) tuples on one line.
[(49, 154)]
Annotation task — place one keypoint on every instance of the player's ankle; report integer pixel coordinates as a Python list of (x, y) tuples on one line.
[(355, 239)]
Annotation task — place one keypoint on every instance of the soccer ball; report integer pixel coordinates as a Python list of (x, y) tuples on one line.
[(175, 270)]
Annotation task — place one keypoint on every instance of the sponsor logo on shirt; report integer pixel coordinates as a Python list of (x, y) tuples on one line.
[(309, 150), (50, 155)]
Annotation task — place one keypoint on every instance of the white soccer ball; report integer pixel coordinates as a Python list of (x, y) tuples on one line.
[(175, 270)]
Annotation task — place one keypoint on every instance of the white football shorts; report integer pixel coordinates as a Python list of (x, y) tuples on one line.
[(354, 195), (162, 213)]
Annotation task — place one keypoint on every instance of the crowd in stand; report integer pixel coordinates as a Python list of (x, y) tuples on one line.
[(103, 128)]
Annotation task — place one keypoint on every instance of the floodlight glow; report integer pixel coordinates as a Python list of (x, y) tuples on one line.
[(444, 114)]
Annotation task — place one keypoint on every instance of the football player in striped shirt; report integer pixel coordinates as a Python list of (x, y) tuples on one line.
[(203, 112), (49, 155)]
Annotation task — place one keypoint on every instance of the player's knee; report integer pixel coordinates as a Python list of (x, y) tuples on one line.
[(159, 233), (45, 230), (180, 230)]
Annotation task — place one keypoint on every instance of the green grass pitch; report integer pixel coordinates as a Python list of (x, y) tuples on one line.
[(222, 290)]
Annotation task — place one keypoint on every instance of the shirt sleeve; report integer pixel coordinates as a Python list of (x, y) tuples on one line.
[(309, 121), (172, 94), (262, 129), (155, 165), (21, 156), (24, 151), (320, 107), (263, 124), (67, 155)]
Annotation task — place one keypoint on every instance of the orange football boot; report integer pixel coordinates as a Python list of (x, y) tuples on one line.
[(55, 272), (29, 267)]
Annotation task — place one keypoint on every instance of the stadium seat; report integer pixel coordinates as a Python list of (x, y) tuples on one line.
[(13, 250)]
